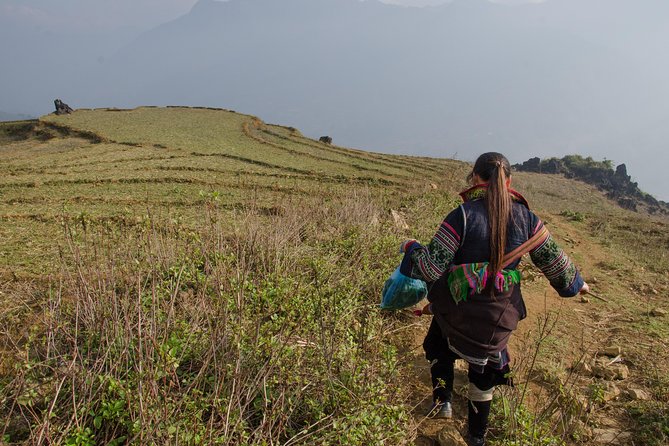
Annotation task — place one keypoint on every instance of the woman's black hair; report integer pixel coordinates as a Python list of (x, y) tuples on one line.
[(494, 169)]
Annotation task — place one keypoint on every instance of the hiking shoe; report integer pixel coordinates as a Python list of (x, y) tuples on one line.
[(471, 440), (440, 410)]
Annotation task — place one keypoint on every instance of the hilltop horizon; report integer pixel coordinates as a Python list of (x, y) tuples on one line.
[(453, 80), (602, 184)]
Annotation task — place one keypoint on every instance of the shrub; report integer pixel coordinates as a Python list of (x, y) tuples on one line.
[(256, 332)]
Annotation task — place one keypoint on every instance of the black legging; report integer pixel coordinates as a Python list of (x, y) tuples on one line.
[(442, 371), (436, 348), (442, 360)]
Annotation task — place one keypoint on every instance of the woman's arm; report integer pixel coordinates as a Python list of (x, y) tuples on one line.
[(558, 268), (429, 262)]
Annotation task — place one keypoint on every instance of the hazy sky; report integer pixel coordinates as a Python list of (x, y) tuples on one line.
[(531, 78), (142, 14), (440, 2), (90, 14)]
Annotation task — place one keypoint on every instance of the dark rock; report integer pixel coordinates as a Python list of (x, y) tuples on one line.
[(617, 184), (621, 171), (62, 108), (531, 165), (325, 139), (554, 166)]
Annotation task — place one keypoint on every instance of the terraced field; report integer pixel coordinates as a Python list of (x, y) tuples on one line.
[(118, 165), (197, 276)]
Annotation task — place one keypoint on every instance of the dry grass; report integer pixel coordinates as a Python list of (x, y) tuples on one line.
[(196, 275)]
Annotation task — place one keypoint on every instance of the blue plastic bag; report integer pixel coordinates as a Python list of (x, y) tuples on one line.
[(401, 291)]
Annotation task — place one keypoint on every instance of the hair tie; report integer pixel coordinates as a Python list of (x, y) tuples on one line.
[(498, 163)]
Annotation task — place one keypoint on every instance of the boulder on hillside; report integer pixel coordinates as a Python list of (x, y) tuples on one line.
[(325, 139), (400, 223), (611, 351), (531, 165), (611, 436), (555, 166), (621, 172), (604, 369), (450, 436), (616, 183), (62, 108), (638, 394)]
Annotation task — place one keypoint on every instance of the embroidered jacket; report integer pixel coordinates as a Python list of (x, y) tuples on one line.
[(480, 326)]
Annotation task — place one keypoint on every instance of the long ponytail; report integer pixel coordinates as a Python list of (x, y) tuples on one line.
[(494, 169)]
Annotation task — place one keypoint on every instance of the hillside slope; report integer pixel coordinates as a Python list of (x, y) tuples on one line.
[(225, 272), (110, 165)]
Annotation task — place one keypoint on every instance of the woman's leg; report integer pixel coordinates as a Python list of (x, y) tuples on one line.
[(481, 386), (442, 361), (477, 419)]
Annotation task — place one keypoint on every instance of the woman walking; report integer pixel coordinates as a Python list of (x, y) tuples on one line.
[(471, 269)]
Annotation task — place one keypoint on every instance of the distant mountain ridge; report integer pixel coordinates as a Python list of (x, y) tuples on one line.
[(451, 80), (456, 79), (380, 76)]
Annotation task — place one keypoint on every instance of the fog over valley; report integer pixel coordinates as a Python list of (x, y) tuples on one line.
[(450, 79)]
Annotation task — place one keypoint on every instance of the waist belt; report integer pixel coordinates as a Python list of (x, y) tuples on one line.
[(471, 278)]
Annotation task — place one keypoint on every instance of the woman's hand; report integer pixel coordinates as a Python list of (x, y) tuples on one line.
[(585, 289), (427, 309)]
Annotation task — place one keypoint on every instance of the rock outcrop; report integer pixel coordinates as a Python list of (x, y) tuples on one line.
[(62, 108), (617, 184)]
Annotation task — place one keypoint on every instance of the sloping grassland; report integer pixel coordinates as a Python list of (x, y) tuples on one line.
[(196, 276)]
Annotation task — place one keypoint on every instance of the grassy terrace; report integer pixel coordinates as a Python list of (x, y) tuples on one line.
[(197, 276), (110, 165)]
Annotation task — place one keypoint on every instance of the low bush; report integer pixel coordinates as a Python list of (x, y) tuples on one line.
[(260, 330)]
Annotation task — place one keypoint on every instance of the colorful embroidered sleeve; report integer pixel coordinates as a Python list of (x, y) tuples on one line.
[(556, 265), (430, 262)]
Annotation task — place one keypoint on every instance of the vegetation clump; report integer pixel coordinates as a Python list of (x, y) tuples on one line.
[(258, 335)]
